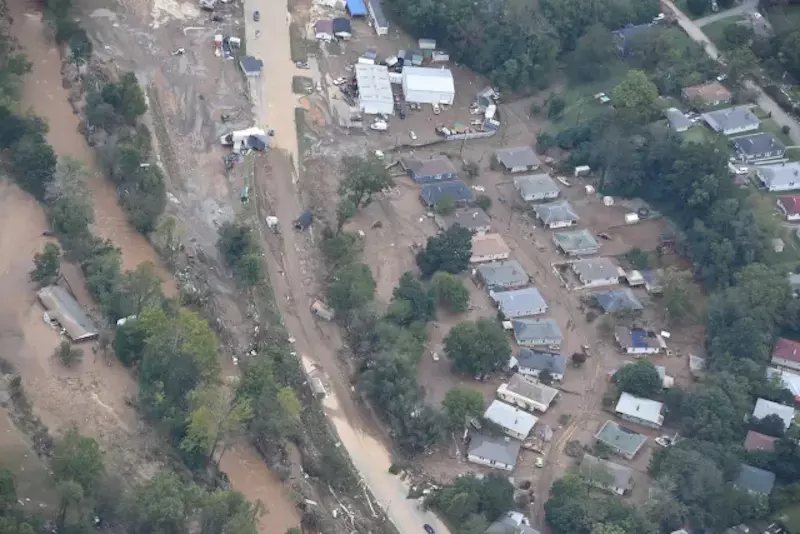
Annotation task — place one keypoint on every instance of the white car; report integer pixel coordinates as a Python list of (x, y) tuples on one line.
[(412, 135), (340, 80), (664, 441), (539, 461), (436, 109)]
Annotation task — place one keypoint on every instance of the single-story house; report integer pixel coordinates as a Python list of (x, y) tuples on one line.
[(638, 410), (755, 480), (730, 121), (62, 307), (653, 281), (500, 453), (251, 67), (531, 362), (536, 187), (537, 332), (502, 275), (790, 206), (755, 441), (622, 440), (766, 407), (488, 247), (519, 302), (377, 18), (637, 341), (677, 120), (780, 177), (617, 300), (475, 220), (427, 85), (356, 8), (576, 242), (624, 37), (458, 191), (558, 214), (342, 28), (374, 89), (514, 422), (596, 272), (517, 159), (762, 147), (426, 171), (790, 381), (323, 30), (527, 394), (707, 95), (606, 475), (511, 523), (786, 353)]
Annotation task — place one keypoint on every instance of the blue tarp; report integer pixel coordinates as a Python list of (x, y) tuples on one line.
[(356, 8)]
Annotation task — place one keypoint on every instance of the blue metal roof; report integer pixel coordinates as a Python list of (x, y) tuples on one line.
[(356, 8)]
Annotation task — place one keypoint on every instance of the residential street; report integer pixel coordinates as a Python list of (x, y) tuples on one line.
[(763, 100), (747, 7)]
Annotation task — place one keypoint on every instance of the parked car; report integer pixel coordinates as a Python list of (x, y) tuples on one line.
[(301, 64), (412, 135), (436, 109), (340, 80), (402, 113), (429, 529), (256, 16), (539, 462)]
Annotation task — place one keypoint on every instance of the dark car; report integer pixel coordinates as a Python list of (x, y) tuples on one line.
[(402, 113), (429, 529), (256, 16)]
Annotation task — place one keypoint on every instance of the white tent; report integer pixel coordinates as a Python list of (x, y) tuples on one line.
[(426, 85)]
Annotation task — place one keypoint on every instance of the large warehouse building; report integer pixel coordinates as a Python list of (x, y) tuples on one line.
[(374, 90), (425, 85)]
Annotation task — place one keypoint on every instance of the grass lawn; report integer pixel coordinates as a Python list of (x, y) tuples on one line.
[(769, 125), (793, 154), (715, 30), (784, 18), (698, 134), (790, 517), (581, 104)]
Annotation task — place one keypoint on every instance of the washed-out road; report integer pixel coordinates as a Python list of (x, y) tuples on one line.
[(762, 99)]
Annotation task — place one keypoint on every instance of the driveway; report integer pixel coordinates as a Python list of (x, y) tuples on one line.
[(746, 8), (763, 100)]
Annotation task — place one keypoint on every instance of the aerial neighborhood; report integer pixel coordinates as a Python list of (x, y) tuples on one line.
[(401, 266)]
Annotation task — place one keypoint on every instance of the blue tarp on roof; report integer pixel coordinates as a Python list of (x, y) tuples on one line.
[(639, 337), (356, 8)]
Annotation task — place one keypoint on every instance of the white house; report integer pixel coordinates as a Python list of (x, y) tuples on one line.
[(512, 420), (374, 89), (559, 214), (642, 411), (425, 85), (500, 453), (527, 394), (488, 247), (729, 121)]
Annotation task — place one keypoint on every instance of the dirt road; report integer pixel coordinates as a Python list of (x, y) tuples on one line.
[(274, 105), (762, 99)]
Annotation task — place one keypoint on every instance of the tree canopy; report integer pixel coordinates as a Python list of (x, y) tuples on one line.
[(449, 251), (363, 178), (477, 348), (639, 378), (352, 287), (450, 292), (460, 403)]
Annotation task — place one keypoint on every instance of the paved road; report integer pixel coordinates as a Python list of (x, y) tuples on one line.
[(278, 189), (747, 7), (762, 99)]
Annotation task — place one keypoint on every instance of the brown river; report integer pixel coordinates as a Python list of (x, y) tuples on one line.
[(20, 237)]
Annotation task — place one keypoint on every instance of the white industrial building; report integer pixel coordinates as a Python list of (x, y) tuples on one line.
[(374, 89), (424, 85)]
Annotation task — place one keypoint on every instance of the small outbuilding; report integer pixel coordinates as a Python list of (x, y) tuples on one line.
[(516, 159), (425, 85), (377, 18), (356, 8), (677, 120), (342, 28), (251, 67), (323, 30), (536, 187), (62, 308)]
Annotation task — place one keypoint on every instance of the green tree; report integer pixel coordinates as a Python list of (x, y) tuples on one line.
[(46, 265), (736, 36), (33, 163), (468, 497), (460, 403), (678, 300), (411, 303), (449, 251), (635, 98), (771, 425), (484, 202), (593, 55), (80, 47), (639, 378), (363, 178), (68, 355), (446, 205), (78, 458), (697, 7), (555, 107), (339, 249), (159, 506), (71, 497), (345, 211), (126, 97), (71, 209), (790, 52), (139, 289), (450, 292), (352, 287), (476, 348), (216, 416), (241, 251)]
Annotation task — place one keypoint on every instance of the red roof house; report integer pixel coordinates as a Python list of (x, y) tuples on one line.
[(790, 206), (756, 441), (786, 353)]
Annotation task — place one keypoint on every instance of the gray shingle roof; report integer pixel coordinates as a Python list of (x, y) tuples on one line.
[(536, 185), (470, 218), (529, 331), (519, 302), (511, 523), (576, 240), (521, 156), (731, 118), (534, 391), (621, 437), (755, 480), (428, 167), (458, 191), (555, 212), (62, 307), (677, 119), (621, 476), (615, 300), (758, 143), (498, 449), (502, 274), (592, 269), (542, 361), (780, 175)]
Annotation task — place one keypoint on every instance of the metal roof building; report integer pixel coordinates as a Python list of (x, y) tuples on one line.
[(638, 410), (519, 302), (502, 275), (356, 8), (732, 120), (576, 243), (514, 422), (64, 309), (424, 85), (374, 90)]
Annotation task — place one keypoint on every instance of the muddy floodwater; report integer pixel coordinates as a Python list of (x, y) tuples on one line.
[(30, 343)]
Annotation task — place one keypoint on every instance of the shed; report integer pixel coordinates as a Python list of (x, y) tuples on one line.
[(514, 422), (622, 440), (502, 275), (677, 120), (342, 28), (323, 30), (304, 221), (374, 89), (519, 302), (424, 85), (427, 44), (517, 159), (356, 8), (251, 67), (457, 190), (536, 187), (379, 21), (488, 247), (62, 307), (576, 243)]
